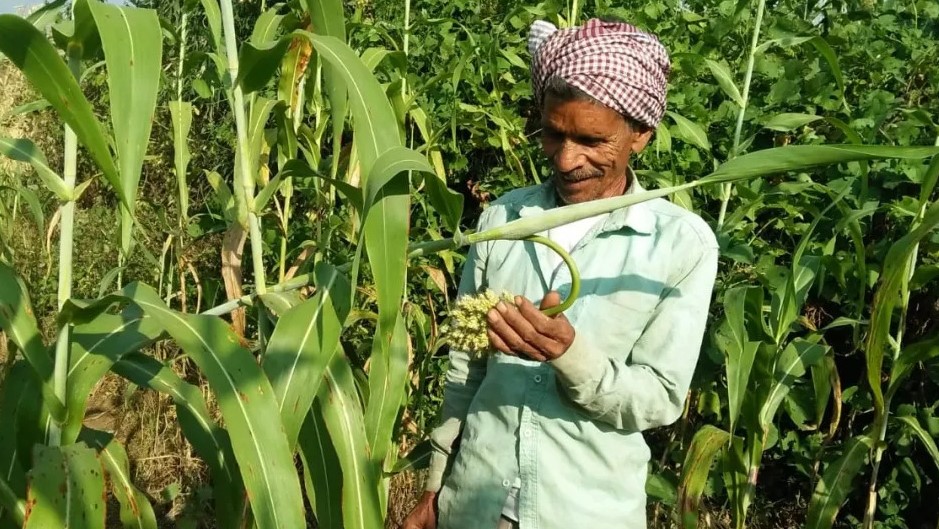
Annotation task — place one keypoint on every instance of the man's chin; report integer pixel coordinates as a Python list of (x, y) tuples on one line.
[(572, 192)]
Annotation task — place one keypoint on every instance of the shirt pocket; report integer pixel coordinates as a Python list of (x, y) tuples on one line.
[(615, 321)]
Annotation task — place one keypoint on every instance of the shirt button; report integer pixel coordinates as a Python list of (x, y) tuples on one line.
[(526, 433), (538, 379), (506, 483)]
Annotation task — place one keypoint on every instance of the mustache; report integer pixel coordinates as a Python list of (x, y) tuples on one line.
[(578, 175)]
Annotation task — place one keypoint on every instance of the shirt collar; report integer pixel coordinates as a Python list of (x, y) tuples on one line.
[(637, 217)]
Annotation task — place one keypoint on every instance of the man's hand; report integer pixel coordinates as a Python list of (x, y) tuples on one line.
[(522, 329), (424, 514)]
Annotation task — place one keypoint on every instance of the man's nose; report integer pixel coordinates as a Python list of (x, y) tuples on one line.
[(568, 157)]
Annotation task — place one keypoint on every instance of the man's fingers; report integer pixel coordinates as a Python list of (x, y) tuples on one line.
[(497, 343), (551, 299), (511, 340), (528, 331), (552, 327)]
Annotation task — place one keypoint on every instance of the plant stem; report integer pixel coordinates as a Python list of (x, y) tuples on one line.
[(728, 187), (181, 179), (909, 270), (9, 499), (574, 13), (66, 238), (571, 265), (247, 174), (407, 45), (294, 283)]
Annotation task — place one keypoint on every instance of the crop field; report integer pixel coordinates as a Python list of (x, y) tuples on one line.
[(231, 236)]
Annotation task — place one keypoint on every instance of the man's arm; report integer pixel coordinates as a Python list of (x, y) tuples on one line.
[(462, 380), (649, 390)]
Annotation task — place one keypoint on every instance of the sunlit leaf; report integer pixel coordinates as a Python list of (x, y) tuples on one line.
[(31, 52), (836, 484), (24, 150), (303, 343), (66, 488), (705, 445)]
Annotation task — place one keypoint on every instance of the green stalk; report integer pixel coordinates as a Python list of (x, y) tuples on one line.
[(574, 13), (407, 43), (728, 187), (909, 270), (246, 176), (66, 240), (571, 265), (528, 226), (8, 498), (181, 179)]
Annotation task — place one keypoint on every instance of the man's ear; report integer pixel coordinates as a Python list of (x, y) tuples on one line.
[(640, 138)]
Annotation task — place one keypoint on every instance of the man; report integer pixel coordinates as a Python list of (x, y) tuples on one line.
[(547, 434)]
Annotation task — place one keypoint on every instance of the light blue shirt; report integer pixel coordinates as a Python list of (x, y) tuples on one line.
[(569, 431)]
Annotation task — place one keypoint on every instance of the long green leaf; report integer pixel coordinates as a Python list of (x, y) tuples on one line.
[(802, 157), (928, 442), (66, 489), (342, 415), (181, 115), (795, 359), (387, 385), (246, 400), (17, 319), (96, 345), (886, 299), (45, 15), (925, 351), (726, 81), (821, 46), (210, 442), (322, 470), (836, 483), (752, 165), (133, 51), (213, 15), (17, 388), (136, 511), (23, 150), (386, 234), (260, 113), (371, 109), (32, 53), (786, 122), (328, 19), (303, 343), (266, 27), (732, 339), (705, 446), (789, 297), (690, 132)]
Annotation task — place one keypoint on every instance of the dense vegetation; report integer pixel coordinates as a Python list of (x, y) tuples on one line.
[(815, 400)]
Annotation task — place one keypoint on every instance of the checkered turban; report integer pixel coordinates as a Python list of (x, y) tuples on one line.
[(617, 64)]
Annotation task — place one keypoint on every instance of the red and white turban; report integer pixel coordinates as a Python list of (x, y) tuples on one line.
[(617, 64)]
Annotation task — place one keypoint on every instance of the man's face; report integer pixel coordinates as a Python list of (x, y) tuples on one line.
[(589, 146)]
